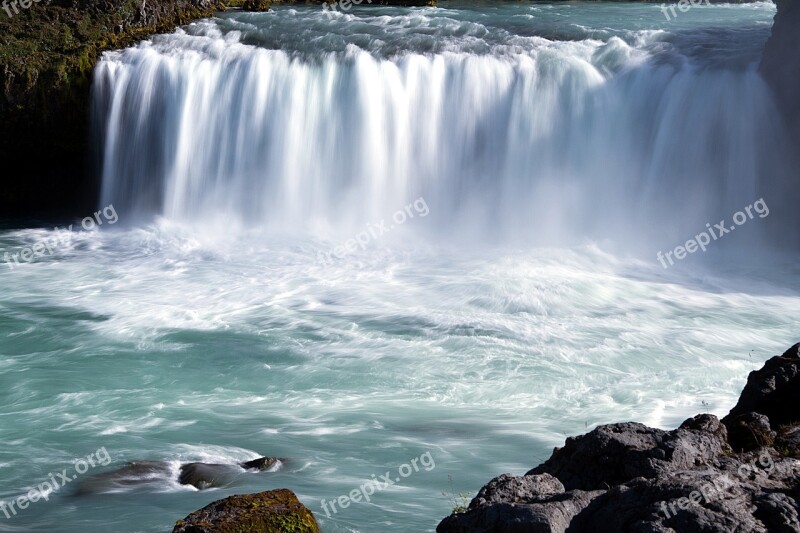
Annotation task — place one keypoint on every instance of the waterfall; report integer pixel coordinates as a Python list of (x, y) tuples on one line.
[(564, 140)]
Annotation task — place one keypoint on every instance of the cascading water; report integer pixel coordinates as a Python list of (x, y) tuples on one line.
[(239, 151), (507, 136)]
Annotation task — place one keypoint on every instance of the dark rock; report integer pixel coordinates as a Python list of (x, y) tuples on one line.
[(751, 431), (778, 512), (550, 514), (517, 489), (696, 500), (617, 453), (780, 65), (204, 476), (200, 475), (47, 55), (262, 463), (773, 391), (272, 511), (787, 441), (130, 475)]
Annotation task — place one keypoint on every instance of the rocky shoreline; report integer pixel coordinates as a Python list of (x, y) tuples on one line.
[(738, 474)]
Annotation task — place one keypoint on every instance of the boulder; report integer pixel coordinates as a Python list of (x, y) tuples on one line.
[(751, 431), (773, 391), (273, 511), (205, 475), (613, 454)]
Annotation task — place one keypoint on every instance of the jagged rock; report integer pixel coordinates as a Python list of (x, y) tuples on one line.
[(751, 431), (773, 391), (273, 511), (617, 453), (517, 489), (551, 513)]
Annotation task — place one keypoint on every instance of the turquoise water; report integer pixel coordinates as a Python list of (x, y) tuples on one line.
[(203, 326)]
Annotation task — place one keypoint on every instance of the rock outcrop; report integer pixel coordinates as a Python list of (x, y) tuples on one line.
[(781, 63), (272, 511), (739, 474), (47, 53)]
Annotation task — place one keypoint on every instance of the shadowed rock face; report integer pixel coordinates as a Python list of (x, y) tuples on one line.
[(629, 477), (781, 63), (774, 390)]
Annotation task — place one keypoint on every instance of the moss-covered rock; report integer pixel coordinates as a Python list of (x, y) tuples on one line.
[(47, 53), (273, 511)]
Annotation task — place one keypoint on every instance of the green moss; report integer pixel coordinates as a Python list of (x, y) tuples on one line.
[(276, 511)]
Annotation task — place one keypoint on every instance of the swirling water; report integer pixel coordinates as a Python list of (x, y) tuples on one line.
[(555, 148)]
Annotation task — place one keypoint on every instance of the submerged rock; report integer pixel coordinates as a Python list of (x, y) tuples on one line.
[(199, 475), (132, 474), (273, 511), (630, 477), (205, 475)]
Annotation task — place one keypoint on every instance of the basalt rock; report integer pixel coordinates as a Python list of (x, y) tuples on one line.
[(273, 511), (204, 475), (199, 475), (616, 453), (629, 477), (137, 473), (773, 392)]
